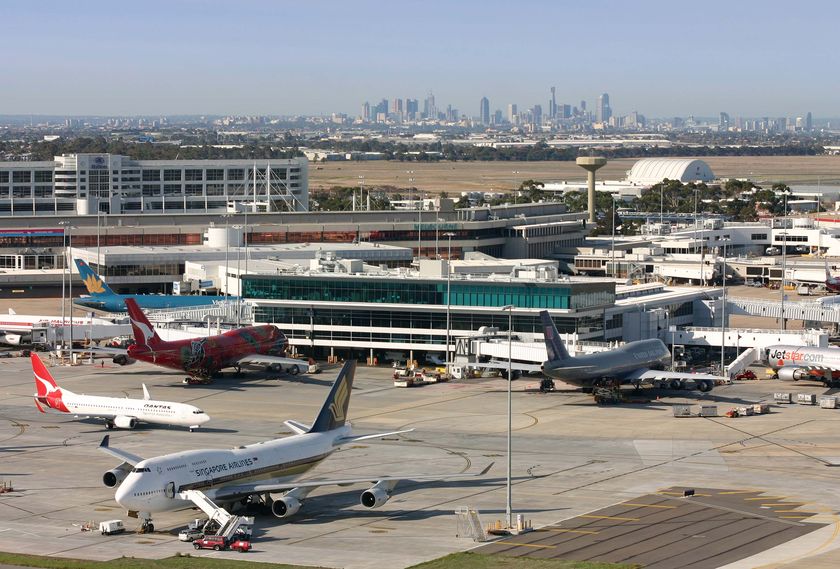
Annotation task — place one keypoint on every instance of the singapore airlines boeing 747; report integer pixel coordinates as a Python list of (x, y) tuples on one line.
[(265, 470)]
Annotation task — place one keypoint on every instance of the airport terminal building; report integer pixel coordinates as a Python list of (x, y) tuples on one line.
[(87, 184)]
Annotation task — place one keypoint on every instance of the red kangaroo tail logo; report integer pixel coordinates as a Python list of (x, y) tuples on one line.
[(46, 391), (144, 332)]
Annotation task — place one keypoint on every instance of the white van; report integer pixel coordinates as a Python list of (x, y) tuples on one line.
[(111, 527)]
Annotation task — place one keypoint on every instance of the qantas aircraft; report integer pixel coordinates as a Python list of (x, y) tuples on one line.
[(631, 363), (103, 298), (116, 411), (266, 470), (16, 329), (204, 357)]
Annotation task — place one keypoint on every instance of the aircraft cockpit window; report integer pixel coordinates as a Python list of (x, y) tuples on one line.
[(138, 470), (198, 412)]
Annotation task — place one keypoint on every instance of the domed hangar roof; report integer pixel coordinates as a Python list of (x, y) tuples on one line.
[(649, 171)]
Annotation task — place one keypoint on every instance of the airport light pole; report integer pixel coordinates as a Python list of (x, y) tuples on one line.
[(612, 223), (723, 312), (63, 281), (508, 509), (449, 235), (227, 249), (238, 279)]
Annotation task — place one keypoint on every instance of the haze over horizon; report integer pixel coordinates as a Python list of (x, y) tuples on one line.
[(194, 57)]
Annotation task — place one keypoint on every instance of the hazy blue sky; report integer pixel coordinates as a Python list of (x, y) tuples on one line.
[(662, 58)]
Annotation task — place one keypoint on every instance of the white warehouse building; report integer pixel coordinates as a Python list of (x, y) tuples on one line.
[(650, 171)]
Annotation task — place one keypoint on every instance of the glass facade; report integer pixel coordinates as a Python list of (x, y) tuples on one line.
[(563, 295), (409, 325)]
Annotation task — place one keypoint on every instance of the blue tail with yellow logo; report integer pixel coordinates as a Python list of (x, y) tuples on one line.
[(93, 282), (334, 412)]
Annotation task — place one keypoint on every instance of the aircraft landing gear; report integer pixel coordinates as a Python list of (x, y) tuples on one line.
[(109, 425), (147, 526), (546, 385), (607, 392)]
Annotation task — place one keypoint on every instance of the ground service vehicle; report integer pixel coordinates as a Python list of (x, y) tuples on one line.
[(215, 542), (111, 527)]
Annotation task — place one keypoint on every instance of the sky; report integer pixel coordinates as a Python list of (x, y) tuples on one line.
[(746, 57)]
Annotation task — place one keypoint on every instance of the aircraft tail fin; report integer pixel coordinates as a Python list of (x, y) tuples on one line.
[(553, 346), (144, 333), (334, 412), (93, 282), (47, 391)]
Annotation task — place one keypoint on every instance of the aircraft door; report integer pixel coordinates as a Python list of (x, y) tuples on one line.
[(169, 490)]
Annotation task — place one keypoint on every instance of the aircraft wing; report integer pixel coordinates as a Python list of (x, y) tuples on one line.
[(645, 374), (257, 359), (239, 490), (124, 456)]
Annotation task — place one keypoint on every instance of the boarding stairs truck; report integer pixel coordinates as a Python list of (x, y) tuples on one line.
[(227, 522)]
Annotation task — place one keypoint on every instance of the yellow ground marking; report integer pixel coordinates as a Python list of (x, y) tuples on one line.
[(648, 506), (790, 504), (609, 518), (793, 517), (767, 498), (796, 512), (681, 494), (527, 545), (563, 530)]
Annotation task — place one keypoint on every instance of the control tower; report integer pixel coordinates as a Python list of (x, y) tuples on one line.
[(590, 164)]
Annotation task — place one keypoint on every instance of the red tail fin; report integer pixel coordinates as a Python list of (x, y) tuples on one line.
[(44, 382), (144, 332), (47, 391)]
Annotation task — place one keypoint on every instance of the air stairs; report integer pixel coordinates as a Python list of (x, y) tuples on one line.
[(227, 522), (469, 524)]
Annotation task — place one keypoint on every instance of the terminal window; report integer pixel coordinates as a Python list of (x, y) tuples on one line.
[(22, 177)]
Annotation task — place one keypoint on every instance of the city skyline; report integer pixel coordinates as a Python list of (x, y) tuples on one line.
[(267, 58)]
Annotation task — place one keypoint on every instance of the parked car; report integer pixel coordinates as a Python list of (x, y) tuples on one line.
[(190, 534), (215, 542), (746, 374)]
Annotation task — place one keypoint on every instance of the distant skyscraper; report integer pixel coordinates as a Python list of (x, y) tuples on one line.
[(603, 112), (497, 117), (536, 116), (582, 106), (809, 122), (411, 108), (484, 111), (564, 111), (511, 115), (552, 105), (429, 108), (366, 112), (723, 123)]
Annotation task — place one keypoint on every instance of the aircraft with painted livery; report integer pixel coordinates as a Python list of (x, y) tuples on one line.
[(104, 299), (633, 363), (16, 329), (267, 470), (119, 412), (257, 346), (795, 363)]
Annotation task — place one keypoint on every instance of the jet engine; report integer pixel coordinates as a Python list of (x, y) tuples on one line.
[(794, 374), (285, 506), (11, 339), (125, 422), (376, 495), (114, 477)]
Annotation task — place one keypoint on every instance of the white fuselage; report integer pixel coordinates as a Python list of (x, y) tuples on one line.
[(144, 410), (25, 322), (781, 356), (153, 485)]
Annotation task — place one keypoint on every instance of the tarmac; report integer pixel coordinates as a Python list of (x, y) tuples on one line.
[(571, 459)]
